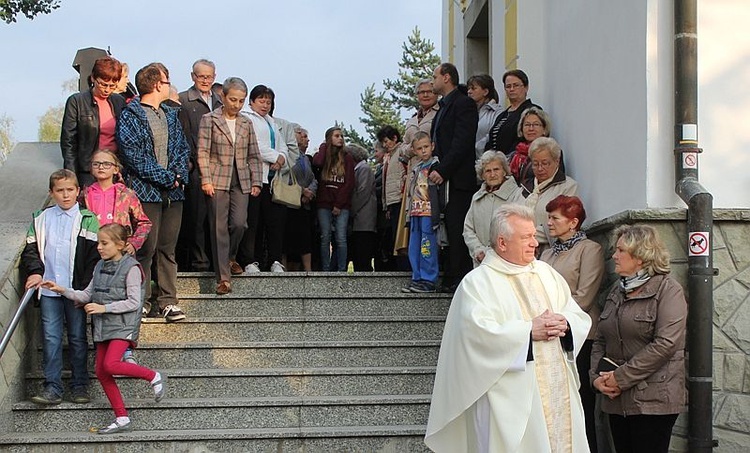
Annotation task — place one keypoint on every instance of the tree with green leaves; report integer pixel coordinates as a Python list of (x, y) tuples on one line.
[(352, 136), (378, 112), (418, 60), (7, 142), (50, 124), (397, 100), (9, 9)]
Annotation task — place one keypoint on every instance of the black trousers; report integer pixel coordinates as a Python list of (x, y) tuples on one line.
[(362, 247), (588, 397), (642, 433), (458, 258), (266, 224)]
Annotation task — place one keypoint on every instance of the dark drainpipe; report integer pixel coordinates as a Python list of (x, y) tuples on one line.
[(699, 227)]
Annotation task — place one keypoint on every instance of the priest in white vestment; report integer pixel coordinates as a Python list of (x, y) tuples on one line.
[(506, 378)]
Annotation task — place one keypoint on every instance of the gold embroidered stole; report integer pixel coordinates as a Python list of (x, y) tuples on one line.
[(549, 358)]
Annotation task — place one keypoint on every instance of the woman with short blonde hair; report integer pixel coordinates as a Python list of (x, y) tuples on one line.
[(638, 356)]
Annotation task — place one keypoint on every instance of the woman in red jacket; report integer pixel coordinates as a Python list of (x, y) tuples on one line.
[(334, 197)]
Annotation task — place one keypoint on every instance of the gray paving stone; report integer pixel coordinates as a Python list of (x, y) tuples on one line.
[(236, 413), (256, 383), (383, 439), (294, 329)]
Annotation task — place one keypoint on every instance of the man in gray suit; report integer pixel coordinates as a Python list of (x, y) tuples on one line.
[(196, 101)]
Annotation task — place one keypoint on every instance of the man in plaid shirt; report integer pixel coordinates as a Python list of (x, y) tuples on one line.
[(155, 153)]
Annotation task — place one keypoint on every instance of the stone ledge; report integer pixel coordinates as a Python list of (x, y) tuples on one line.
[(663, 214)]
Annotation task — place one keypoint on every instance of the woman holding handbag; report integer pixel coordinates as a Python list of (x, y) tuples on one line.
[(265, 219), (230, 168)]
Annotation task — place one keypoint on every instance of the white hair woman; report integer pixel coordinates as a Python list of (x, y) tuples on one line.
[(549, 181), (497, 189)]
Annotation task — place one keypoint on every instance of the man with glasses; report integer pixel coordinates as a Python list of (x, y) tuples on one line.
[(155, 152), (89, 120), (197, 101)]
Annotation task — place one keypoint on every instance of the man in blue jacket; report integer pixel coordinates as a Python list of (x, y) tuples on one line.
[(155, 152)]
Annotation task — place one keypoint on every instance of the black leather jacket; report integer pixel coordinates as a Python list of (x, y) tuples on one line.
[(79, 136)]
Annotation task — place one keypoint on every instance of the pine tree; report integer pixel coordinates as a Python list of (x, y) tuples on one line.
[(354, 137), (418, 61), (379, 112)]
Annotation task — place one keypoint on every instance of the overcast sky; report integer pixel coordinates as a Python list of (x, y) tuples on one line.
[(318, 55)]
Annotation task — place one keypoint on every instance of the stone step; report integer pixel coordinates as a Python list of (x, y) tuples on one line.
[(289, 354), (294, 329), (382, 439), (254, 383), (209, 305), (234, 413), (297, 283)]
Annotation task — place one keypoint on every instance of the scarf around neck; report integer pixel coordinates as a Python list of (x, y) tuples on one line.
[(633, 282), (564, 246), (519, 159)]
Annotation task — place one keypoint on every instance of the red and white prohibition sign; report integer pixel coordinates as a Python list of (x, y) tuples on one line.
[(698, 243)]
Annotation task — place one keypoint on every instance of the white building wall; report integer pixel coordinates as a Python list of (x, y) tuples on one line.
[(603, 70), (724, 100)]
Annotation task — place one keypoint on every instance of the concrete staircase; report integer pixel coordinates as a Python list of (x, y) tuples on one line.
[(295, 362)]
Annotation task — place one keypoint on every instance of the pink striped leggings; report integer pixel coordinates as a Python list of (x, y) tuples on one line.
[(109, 363)]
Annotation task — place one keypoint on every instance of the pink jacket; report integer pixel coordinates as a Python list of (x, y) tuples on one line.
[(127, 211)]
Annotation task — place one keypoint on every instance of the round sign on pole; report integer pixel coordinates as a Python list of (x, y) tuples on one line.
[(698, 243), (690, 160)]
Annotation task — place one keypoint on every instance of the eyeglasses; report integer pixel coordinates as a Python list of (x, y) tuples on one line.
[(204, 77), (104, 165), (104, 85), (543, 164), (533, 125), (511, 86), (424, 92), (167, 82)]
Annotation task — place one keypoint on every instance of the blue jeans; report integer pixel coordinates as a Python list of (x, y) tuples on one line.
[(55, 311), (325, 220), (423, 250)]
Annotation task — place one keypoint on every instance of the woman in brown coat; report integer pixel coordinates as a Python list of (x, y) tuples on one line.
[(641, 335), (581, 263)]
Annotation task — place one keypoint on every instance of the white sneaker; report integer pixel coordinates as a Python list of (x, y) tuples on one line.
[(277, 267), (252, 268)]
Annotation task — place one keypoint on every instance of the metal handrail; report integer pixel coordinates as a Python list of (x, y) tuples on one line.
[(16, 319)]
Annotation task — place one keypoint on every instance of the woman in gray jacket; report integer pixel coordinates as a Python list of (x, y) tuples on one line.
[(364, 213), (638, 356)]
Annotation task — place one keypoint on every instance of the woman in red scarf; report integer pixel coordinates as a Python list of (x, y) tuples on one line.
[(534, 123)]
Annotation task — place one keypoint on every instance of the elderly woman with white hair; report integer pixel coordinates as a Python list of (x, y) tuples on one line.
[(549, 181), (498, 188)]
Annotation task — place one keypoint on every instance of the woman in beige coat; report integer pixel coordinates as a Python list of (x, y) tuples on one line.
[(548, 182), (498, 188), (581, 263), (641, 333)]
